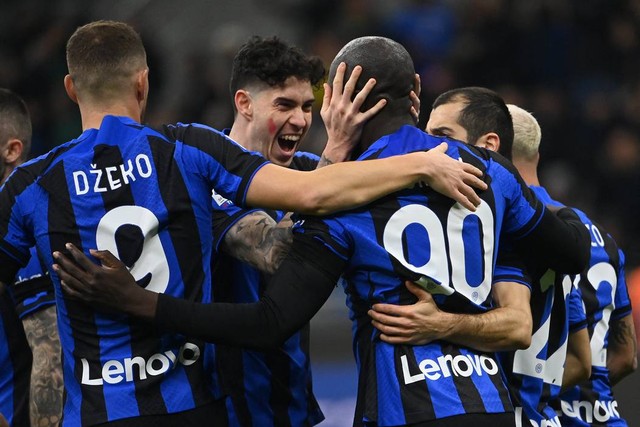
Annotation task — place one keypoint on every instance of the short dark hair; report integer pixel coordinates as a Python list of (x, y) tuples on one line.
[(484, 111), (102, 56), (385, 60), (15, 121), (271, 61)]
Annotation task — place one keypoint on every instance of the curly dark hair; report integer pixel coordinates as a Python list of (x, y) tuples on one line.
[(271, 61)]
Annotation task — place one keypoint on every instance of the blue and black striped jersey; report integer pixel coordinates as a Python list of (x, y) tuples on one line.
[(145, 195), (266, 388), (421, 235), (605, 296), (33, 289), (534, 375), (15, 363)]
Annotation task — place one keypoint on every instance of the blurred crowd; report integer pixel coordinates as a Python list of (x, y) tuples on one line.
[(574, 64)]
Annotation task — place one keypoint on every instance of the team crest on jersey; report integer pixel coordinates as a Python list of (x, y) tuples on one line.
[(221, 201)]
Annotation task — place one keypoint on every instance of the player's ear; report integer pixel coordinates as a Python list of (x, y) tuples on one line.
[(490, 141), (70, 88), (142, 85), (12, 151), (244, 103)]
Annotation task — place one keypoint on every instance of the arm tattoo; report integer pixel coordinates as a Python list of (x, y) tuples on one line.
[(324, 161), (257, 239), (41, 329), (621, 334)]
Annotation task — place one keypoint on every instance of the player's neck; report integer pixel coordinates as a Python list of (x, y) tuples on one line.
[(92, 115), (528, 172)]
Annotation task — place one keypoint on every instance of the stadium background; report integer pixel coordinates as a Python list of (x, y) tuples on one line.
[(574, 64)]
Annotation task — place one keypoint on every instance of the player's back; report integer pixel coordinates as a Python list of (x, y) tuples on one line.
[(145, 195), (421, 235), (605, 297)]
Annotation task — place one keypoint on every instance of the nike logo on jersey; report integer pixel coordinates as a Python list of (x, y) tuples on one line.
[(117, 371)]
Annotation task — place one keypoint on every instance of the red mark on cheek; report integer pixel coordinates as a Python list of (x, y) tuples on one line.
[(271, 127)]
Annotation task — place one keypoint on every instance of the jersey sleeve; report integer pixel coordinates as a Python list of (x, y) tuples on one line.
[(576, 310), (223, 162), (225, 215), (510, 267), (327, 231), (15, 240), (560, 241), (32, 289), (621, 299)]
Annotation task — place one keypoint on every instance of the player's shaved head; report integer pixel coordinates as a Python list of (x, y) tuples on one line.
[(385, 60)]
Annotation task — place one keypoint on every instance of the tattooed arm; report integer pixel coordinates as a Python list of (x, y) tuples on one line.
[(622, 354), (41, 329), (258, 240)]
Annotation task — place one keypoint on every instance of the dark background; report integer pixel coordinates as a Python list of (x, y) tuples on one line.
[(575, 64)]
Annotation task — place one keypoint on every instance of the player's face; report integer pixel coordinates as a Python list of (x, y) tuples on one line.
[(282, 117), (443, 121)]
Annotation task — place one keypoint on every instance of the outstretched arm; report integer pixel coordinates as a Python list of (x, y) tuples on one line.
[(506, 327), (295, 293), (346, 185)]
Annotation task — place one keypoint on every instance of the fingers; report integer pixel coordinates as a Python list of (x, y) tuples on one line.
[(394, 339), (80, 257), (388, 310), (66, 266), (326, 99), (106, 258), (462, 198), (442, 147), (362, 95), (69, 283), (418, 291), (338, 79), (350, 87)]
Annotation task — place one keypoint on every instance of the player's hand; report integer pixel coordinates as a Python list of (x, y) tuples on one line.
[(416, 324), (108, 286), (342, 117), (3, 421), (415, 99), (453, 178)]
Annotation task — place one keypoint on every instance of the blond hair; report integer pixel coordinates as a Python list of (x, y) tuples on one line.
[(526, 133)]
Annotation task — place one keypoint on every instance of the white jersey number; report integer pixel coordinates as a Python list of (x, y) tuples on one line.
[(437, 267), (152, 259)]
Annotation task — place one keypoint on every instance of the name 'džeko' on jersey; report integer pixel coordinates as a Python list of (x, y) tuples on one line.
[(112, 177)]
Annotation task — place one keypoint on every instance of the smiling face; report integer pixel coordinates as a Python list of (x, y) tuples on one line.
[(281, 117)]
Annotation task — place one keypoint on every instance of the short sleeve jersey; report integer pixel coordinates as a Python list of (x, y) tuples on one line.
[(421, 235), (605, 297), (145, 195)]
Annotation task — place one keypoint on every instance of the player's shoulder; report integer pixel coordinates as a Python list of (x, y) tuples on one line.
[(304, 161)]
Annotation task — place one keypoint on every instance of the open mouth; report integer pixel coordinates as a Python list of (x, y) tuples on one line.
[(287, 143)]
